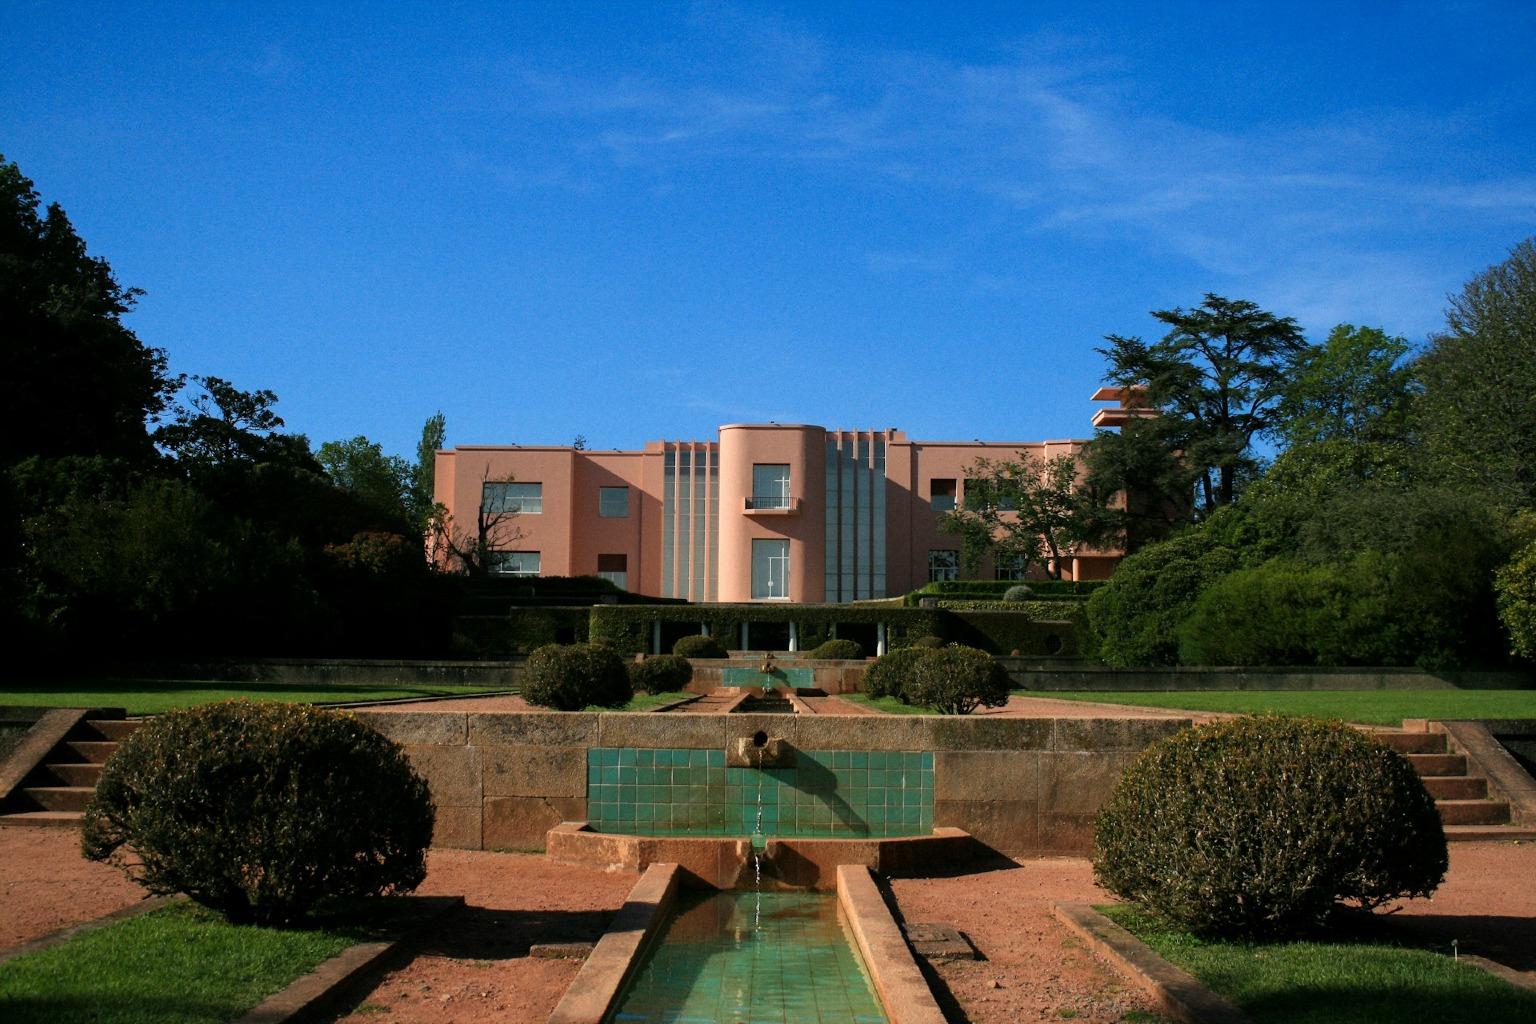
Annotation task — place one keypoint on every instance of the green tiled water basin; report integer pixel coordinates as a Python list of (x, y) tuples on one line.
[(728, 957), (794, 678), (828, 793)]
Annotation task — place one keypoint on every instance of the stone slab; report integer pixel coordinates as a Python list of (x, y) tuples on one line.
[(452, 772), (522, 822), (534, 728), (442, 728), (617, 953), (1176, 992), (534, 771), (939, 943), (561, 950), (897, 979), (458, 827), (987, 775)]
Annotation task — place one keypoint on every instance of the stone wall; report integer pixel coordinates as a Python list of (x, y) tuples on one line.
[(1024, 786)]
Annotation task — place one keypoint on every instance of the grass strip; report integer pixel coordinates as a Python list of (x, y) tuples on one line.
[(1343, 982), (890, 705), (643, 702), (181, 964), (152, 696), (1369, 707)]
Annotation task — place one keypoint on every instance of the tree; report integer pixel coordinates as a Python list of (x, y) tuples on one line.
[(1478, 411), (1215, 380), (1516, 586), (474, 551), (423, 499), (1141, 463), (383, 483), (1356, 386), (1027, 508), (223, 426), (77, 380)]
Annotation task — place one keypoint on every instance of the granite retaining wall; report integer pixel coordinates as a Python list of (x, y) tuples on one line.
[(1024, 786)]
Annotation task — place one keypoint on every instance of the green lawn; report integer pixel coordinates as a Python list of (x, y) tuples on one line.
[(890, 705), (151, 696), (180, 964), (1374, 707), (645, 702), (1335, 982)]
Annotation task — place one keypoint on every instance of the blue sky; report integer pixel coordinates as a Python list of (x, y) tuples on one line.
[(641, 221)]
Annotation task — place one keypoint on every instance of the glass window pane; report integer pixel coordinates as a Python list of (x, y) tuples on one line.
[(613, 502)]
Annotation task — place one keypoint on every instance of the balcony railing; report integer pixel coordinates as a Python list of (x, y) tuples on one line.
[(781, 503)]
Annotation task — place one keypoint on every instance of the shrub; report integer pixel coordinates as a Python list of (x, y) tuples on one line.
[(1516, 587), (572, 677), (957, 680), (1018, 592), (260, 810), (1136, 615), (700, 646), (1259, 826), (844, 650), (931, 643), (660, 673), (891, 674)]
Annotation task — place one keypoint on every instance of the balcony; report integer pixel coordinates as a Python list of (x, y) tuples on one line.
[(772, 505)]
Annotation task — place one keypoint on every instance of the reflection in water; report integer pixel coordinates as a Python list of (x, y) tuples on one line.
[(731, 956)]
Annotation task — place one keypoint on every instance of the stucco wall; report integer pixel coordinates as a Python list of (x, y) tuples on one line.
[(1023, 786)]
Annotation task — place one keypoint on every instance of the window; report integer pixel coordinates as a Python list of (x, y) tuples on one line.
[(943, 565), (614, 568), (770, 486), (942, 495), (515, 563), (522, 499), (770, 570), (981, 495), (613, 502), (1012, 567)]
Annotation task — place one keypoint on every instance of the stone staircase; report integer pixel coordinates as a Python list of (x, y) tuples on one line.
[(1467, 809), (55, 793)]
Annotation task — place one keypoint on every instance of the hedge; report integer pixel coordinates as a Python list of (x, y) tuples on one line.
[(521, 631), (993, 590), (627, 628), (1003, 632)]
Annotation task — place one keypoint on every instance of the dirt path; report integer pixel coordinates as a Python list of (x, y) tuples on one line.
[(1487, 904), (46, 885)]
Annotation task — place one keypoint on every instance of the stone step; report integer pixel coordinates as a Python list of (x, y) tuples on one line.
[(1456, 787), (60, 798), (1488, 833), (1473, 812), (115, 729), (1438, 764), (94, 751), (41, 819), (1413, 742), (83, 774)]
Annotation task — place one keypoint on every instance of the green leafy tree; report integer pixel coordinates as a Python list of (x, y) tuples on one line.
[(381, 482), (1027, 508), (1137, 614), (423, 498), (1355, 387), (1145, 486), (1516, 587), (77, 380), (220, 426), (1215, 379), (1478, 411)]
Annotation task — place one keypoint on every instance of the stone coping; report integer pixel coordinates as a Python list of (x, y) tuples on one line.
[(805, 731), (617, 954), (1498, 766), (1176, 992), (325, 987), (897, 979), (725, 862)]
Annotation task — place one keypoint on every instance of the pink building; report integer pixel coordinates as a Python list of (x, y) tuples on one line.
[(768, 512)]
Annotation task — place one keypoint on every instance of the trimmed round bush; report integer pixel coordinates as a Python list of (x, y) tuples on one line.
[(838, 650), (1018, 592), (260, 810), (660, 673), (1260, 827), (890, 674), (930, 643), (957, 680), (576, 676), (700, 646)]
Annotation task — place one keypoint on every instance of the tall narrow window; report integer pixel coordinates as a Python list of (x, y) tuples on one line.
[(519, 498), (1012, 567), (614, 569), (613, 502), (770, 486), (943, 565), (942, 494), (770, 570)]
